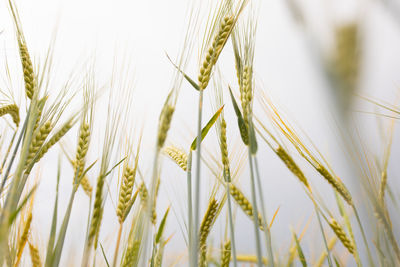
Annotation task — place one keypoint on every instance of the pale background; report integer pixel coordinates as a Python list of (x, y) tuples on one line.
[(140, 32)]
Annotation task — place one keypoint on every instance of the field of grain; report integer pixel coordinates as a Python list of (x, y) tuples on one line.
[(199, 133)]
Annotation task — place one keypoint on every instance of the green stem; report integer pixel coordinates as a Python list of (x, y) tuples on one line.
[(328, 253), (255, 211), (264, 213), (371, 261), (231, 227), (190, 207), (195, 246)]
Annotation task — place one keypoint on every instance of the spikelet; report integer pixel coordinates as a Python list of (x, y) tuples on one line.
[(153, 208), (226, 254), (165, 122), (131, 254), (291, 165), (224, 150), (208, 221), (97, 210), (13, 111), (23, 239), (244, 204), (336, 184), (86, 186), (159, 256), (125, 193), (246, 94), (341, 234), (143, 193), (81, 151), (203, 255), (382, 186), (27, 68), (38, 140), (35, 255), (178, 156), (53, 140), (214, 51), (346, 58)]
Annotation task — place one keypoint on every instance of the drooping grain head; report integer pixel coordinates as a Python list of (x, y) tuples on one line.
[(13, 111), (336, 184), (291, 165), (178, 156), (164, 124), (244, 203), (341, 234)]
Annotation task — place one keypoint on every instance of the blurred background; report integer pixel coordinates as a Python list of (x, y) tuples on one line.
[(317, 60)]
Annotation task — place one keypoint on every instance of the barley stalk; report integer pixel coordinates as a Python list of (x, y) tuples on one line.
[(205, 228), (35, 255), (226, 254), (341, 234), (244, 204), (27, 68), (23, 239), (165, 122), (178, 156), (125, 194), (214, 51), (131, 254), (38, 141), (336, 184), (291, 165), (13, 111), (81, 151), (53, 140)]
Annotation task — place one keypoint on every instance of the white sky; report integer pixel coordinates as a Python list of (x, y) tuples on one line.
[(145, 30)]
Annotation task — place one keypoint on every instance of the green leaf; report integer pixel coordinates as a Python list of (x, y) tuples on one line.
[(19, 208), (300, 251), (207, 128), (242, 126), (253, 140), (104, 255), (193, 83), (161, 227)]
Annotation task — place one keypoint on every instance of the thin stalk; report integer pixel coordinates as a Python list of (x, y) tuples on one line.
[(190, 208), (231, 228), (21, 135), (195, 246), (264, 213), (371, 261), (8, 151), (328, 253), (117, 246), (255, 211)]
